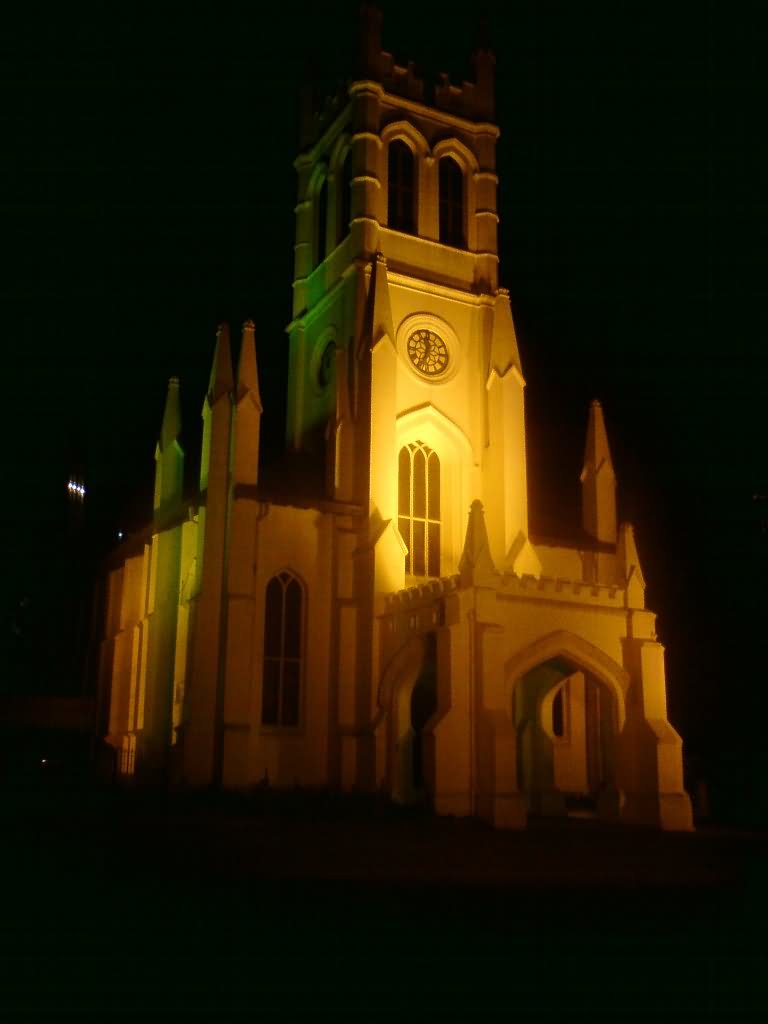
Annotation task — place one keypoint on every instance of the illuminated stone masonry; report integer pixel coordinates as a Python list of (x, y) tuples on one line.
[(391, 625)]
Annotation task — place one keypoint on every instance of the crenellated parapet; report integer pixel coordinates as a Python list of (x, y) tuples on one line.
[(417, 610), (472, 100), (422, 593), (420, 605), (401, 80), (550, 588)]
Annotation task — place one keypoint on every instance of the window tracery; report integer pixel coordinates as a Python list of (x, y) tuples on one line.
[(419, 508)]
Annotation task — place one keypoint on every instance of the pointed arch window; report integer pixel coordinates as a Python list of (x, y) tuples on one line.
[(419, 508), (558, 713), (283, 651), (451, 192), (401, 188)]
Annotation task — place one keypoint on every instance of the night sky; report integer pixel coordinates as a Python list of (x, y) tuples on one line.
[(148, 192)]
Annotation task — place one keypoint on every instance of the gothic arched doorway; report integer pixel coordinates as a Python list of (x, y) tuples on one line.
[(415, 703), (567, 725)]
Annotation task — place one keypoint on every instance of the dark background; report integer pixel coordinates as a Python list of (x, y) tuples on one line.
[(147, 193)]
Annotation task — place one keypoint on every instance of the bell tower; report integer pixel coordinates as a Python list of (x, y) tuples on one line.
[(404, 374)]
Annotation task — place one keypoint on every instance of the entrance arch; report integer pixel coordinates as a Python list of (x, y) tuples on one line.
[(408, 695), (567, 700)]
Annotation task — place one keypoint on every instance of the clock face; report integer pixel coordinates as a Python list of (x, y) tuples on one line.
[(427, 352)]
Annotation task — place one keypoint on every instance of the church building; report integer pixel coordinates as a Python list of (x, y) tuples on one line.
[(397, 627)]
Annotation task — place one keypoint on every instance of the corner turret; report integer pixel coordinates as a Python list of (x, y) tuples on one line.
[(598, 481), (505, 485), (202, 726), (476, 566), (220, 388), (484, 64), (169, 455), (247, 413)]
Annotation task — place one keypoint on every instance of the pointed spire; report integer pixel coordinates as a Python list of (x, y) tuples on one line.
[(247, 367), (504, 350), (484, 64), (476, 565), (369, 55), (597, 454), (630, 570), (598, 481), (221, 381), (169, 456), (380, 310), (247, 413), (171, 427), (217, 415)]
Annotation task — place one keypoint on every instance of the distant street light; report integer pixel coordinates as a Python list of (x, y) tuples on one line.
[(76, 490)]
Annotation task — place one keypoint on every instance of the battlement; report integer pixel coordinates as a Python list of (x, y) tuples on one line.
[(417, 609), (399, 80), (473, 100), (532, 587), (422, 593), (557, 589)]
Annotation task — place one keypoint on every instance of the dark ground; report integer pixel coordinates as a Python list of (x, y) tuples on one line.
[(304, 906)]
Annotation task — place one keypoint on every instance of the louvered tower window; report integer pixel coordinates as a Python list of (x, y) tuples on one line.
[(451, 186), (402, 188)]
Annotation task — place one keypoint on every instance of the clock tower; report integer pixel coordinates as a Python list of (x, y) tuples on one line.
[(404, 376)]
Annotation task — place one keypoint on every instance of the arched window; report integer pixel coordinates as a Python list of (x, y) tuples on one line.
[(345, 195), (419, 508), (451, 191), (283, 655), (558, 714), (402, 188), (321, 222)]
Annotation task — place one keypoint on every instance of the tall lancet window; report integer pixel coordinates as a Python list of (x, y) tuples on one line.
[(283, 652), (419, 508), (402, 188), (451, 186)]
